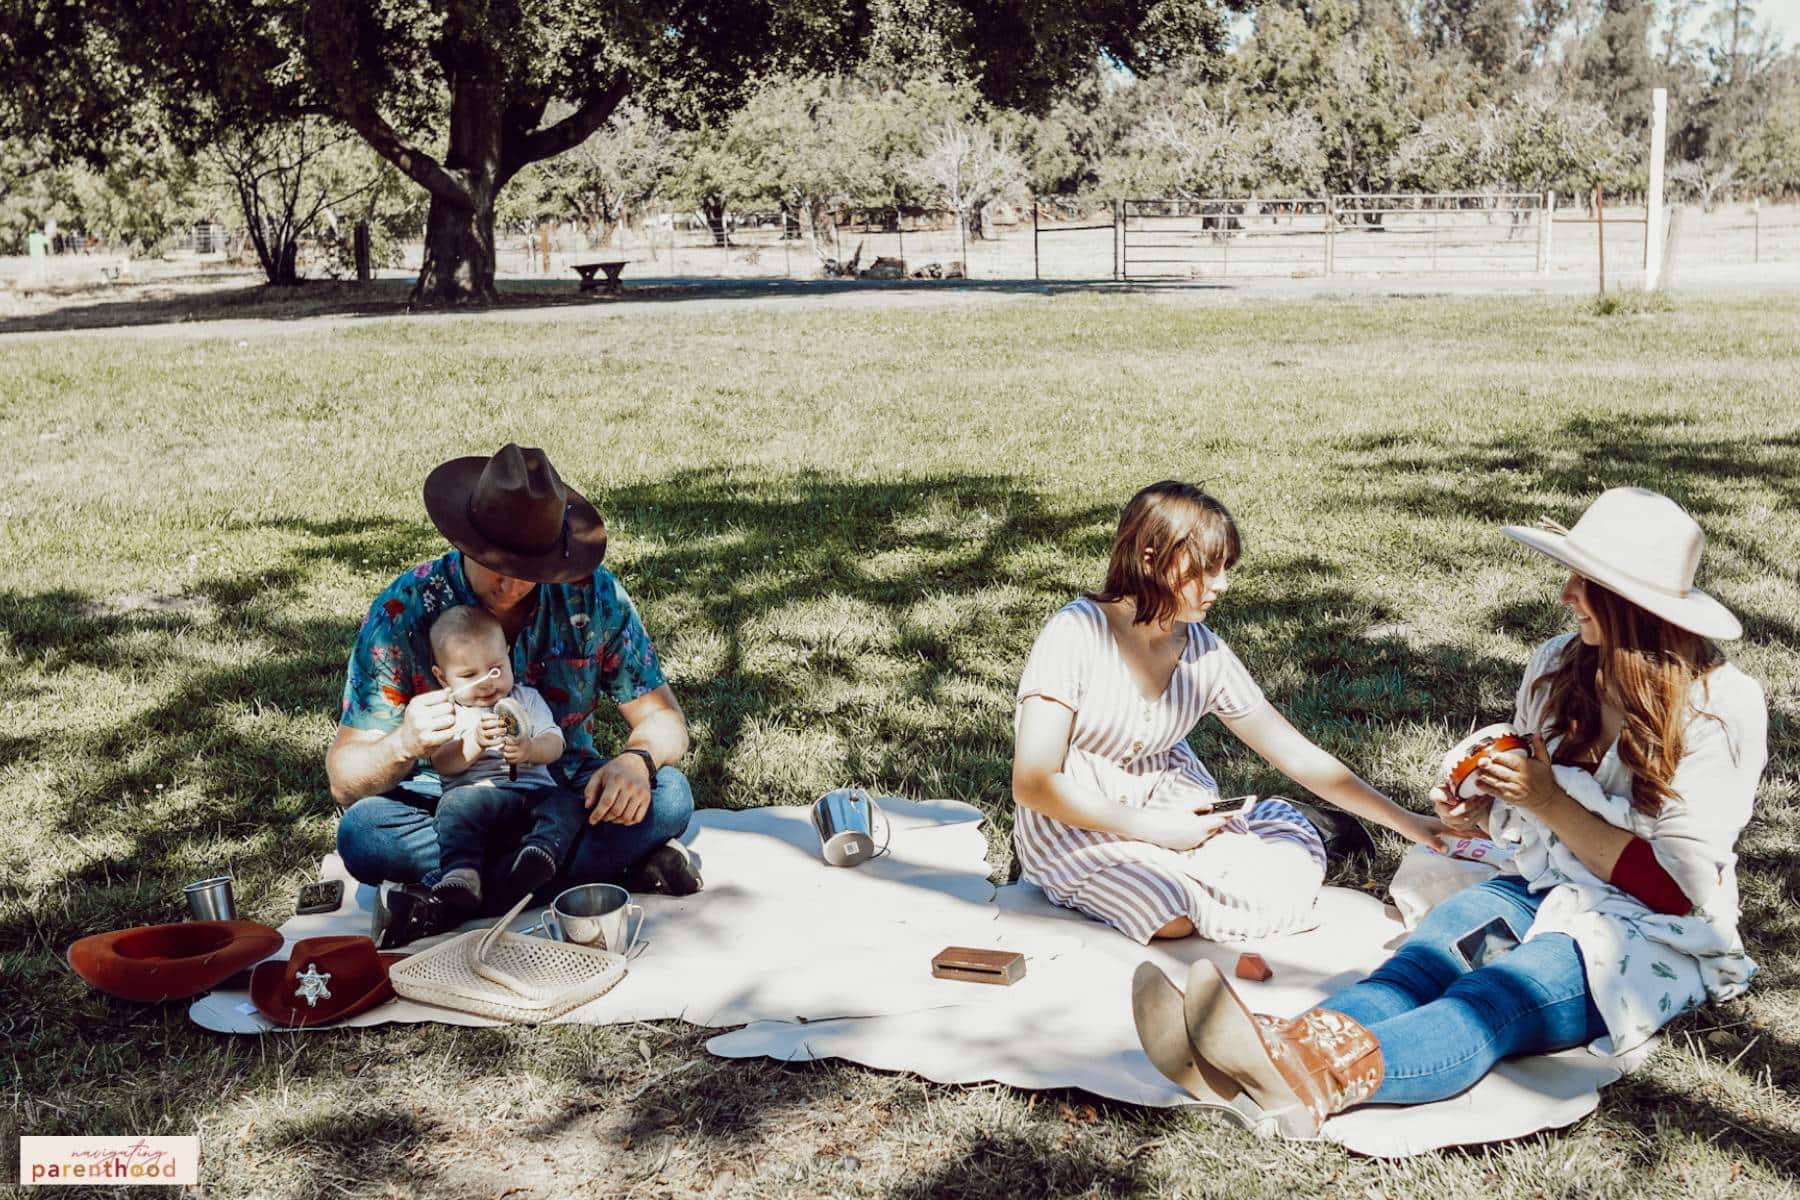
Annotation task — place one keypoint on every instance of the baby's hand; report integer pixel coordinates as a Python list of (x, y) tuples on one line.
[(491, 730), (512, 750)]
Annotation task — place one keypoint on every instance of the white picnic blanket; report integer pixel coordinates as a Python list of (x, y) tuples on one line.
[(819, 962)]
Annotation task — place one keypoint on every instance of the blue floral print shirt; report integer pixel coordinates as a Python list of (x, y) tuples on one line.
[(582, 643)]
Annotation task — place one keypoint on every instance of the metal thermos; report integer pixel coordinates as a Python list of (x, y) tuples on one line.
[(210, 899), (845, 821)]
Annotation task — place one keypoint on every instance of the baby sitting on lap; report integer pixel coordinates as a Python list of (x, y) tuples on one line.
[(492, 779)]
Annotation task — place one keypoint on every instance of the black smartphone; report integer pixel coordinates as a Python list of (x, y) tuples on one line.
[(320, 896), (1485, 943), (1233, 804)]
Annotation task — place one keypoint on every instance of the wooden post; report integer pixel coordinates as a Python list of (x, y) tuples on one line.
[(1330, 236), (1036, 273), (360, 245), (1653, 215), (962, 238), (1434, 233), (1600, 231), (1546, 217), (1118, 208)]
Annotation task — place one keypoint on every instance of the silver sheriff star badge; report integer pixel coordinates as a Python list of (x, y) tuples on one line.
[(312, 985)]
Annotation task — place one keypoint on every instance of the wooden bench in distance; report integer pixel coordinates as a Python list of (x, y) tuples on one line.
[(612, 267)]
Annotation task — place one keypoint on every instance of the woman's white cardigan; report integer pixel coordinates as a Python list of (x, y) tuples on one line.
[(1643, 968)]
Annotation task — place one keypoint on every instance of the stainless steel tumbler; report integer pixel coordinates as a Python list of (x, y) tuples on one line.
[(211, 899)]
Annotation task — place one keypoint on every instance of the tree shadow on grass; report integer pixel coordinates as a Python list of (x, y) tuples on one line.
[(1706, 1120), (1010, 1166), (836, 631), (392, 297)]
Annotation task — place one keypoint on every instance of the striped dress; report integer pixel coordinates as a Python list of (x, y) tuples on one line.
[(1256, 877)]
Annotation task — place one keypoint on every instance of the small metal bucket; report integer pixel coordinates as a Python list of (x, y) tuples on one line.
[(845, 823), (211, 899)]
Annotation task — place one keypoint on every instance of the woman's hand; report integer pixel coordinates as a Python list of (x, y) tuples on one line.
[(1426, 831), (1463, 818), (1526, 783), (1178, 830)]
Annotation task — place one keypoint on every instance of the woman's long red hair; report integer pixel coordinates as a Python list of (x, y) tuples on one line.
[(1648, 668)]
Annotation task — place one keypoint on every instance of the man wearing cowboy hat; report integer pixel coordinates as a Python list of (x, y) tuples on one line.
[(526, 548)]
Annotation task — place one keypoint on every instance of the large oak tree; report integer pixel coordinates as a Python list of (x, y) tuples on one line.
[(456, 92)]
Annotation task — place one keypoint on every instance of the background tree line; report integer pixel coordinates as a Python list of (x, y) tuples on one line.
[(909, 115)]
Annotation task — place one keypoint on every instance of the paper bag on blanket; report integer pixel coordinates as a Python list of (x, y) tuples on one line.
[(1426, 877)]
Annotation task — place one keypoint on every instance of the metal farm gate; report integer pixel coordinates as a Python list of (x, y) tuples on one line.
[(1333, 235)]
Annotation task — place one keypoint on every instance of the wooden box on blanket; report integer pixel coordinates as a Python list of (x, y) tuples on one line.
[(978, 966)]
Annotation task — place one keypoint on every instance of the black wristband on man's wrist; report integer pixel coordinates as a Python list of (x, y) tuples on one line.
[(649, 763)]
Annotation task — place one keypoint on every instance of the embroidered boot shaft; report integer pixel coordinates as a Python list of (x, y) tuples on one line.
[(1331, 1062)]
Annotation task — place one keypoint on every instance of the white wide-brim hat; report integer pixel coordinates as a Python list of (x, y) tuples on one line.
[(1643, 546)]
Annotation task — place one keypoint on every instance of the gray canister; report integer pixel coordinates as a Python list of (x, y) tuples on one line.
[(845, 821)]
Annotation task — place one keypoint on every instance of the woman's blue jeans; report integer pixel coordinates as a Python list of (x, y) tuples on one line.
[(395, 837), (1443, 1025)]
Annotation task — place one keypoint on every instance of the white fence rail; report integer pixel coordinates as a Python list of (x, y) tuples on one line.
[(1342, 234)]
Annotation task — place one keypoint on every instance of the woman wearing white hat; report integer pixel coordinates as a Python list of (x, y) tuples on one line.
[(1623, 912)]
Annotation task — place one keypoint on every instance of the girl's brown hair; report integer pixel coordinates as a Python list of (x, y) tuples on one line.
[(1648, 668), (1171, 521)]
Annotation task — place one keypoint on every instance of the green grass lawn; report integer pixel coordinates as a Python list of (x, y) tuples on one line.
[(844, 527)]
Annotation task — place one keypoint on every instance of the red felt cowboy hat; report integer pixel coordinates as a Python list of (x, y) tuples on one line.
[(513, 514), (153, 963), (324, 979)]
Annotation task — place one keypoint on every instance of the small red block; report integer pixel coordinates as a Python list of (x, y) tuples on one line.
[(1252, 966)]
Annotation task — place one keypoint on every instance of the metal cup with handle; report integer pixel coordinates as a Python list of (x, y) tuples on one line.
[(593, 914)]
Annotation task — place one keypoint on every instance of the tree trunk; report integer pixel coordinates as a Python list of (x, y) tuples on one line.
[(287, 272), (459, 255), (973, 214), (459, 229), (713, 207)]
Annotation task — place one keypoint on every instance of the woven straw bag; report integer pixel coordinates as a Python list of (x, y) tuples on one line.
[(508, 976)]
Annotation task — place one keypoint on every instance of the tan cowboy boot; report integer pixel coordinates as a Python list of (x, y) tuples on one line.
[(1300, 1071), (1159, 1011)]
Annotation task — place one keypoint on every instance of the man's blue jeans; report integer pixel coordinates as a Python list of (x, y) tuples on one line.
[(394, 837), (1442, 1026)]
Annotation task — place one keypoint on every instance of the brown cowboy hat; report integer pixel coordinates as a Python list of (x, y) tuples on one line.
[(513, 514), (153, 963), (324, 979)]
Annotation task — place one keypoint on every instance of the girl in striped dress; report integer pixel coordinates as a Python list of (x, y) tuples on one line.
[(1114, 808)]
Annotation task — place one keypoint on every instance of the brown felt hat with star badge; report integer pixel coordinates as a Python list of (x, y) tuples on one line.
[(324, 979)]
